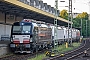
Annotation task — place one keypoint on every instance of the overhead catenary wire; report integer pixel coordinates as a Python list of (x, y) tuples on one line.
[(77, 2)]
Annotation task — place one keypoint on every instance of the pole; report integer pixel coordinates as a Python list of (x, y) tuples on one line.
[(81, 27), (86, 28), (70, 18), (89, 18), (68, 25), (89, 28), (55, 23)]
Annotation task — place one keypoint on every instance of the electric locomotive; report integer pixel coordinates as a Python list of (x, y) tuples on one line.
[(27, 36)]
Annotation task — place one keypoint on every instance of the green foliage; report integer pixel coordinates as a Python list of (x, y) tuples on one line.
[(83, 15), (60, 48), (38, 57), (77, 21)]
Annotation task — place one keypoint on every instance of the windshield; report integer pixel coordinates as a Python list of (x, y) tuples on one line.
[(16, 29), (21, 29), (26, 29)]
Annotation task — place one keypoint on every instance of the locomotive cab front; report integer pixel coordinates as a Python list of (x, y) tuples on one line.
[(21, 37)]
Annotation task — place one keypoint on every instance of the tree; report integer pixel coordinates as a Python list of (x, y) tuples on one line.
[(84, 17), (77, 21), (64, 14)]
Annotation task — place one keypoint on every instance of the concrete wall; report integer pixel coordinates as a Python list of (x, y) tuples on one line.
[(10, 20), (3, 49), (5, 29), (19, 18), (2, 19)]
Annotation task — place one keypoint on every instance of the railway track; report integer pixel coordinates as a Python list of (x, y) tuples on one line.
[(21, 56), (17, 57), (72, 54), (68, 55)]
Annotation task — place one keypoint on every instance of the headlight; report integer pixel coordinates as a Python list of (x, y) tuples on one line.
[(31, 40), (11, 40), (13, 35)]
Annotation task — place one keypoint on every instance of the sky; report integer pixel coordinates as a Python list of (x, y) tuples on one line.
[(79, 5)]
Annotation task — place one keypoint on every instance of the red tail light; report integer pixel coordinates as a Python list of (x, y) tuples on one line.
[(16, 41), (26, 41)]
